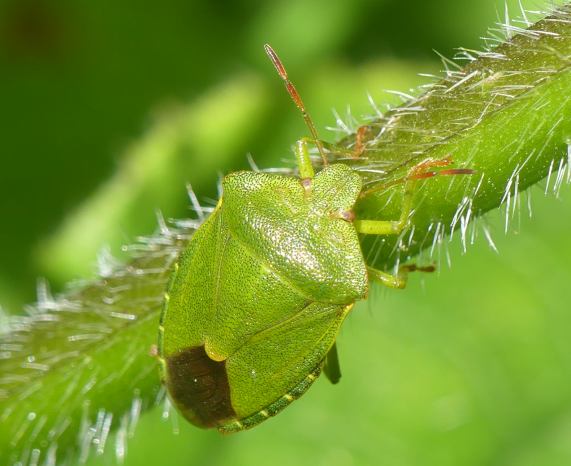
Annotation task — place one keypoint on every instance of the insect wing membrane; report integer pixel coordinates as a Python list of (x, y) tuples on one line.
[(279, 364)]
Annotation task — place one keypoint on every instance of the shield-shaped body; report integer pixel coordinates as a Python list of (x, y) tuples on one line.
[(259, 295)]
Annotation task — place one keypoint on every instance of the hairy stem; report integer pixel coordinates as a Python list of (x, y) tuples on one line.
[(506, 115)]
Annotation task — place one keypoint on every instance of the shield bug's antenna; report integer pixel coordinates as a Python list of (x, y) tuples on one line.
[(296, 99)]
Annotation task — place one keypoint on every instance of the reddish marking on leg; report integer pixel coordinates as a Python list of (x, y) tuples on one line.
[(360, 142), (419, 171), (457, 171), (415, 268)]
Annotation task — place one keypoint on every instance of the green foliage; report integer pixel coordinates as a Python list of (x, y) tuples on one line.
[(465, 373)]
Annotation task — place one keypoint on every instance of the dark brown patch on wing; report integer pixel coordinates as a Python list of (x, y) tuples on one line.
[(199, 387)]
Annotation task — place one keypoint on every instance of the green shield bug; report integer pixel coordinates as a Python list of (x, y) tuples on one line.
[(257, 298)]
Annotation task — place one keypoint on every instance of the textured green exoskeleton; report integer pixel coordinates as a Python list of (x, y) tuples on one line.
[(260, 294), (258, 297)]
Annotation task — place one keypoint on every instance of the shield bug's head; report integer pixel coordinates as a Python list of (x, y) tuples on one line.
[(303, 229)]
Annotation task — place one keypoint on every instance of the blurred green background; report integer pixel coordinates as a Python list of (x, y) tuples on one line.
[(108, 108)]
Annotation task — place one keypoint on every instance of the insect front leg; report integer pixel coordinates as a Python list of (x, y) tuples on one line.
[(360, 140), (394, 227), (421, 171), (303, 160), (390, 227)]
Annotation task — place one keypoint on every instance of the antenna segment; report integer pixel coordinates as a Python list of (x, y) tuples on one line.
[(296, 99)]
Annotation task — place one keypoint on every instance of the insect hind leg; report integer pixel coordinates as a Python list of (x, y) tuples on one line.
[(331, 367)]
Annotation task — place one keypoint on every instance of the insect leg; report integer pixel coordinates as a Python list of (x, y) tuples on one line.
[(390, 227), (360, 139), (303, 160), (331, 365), (421, 171), (400, 279)]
